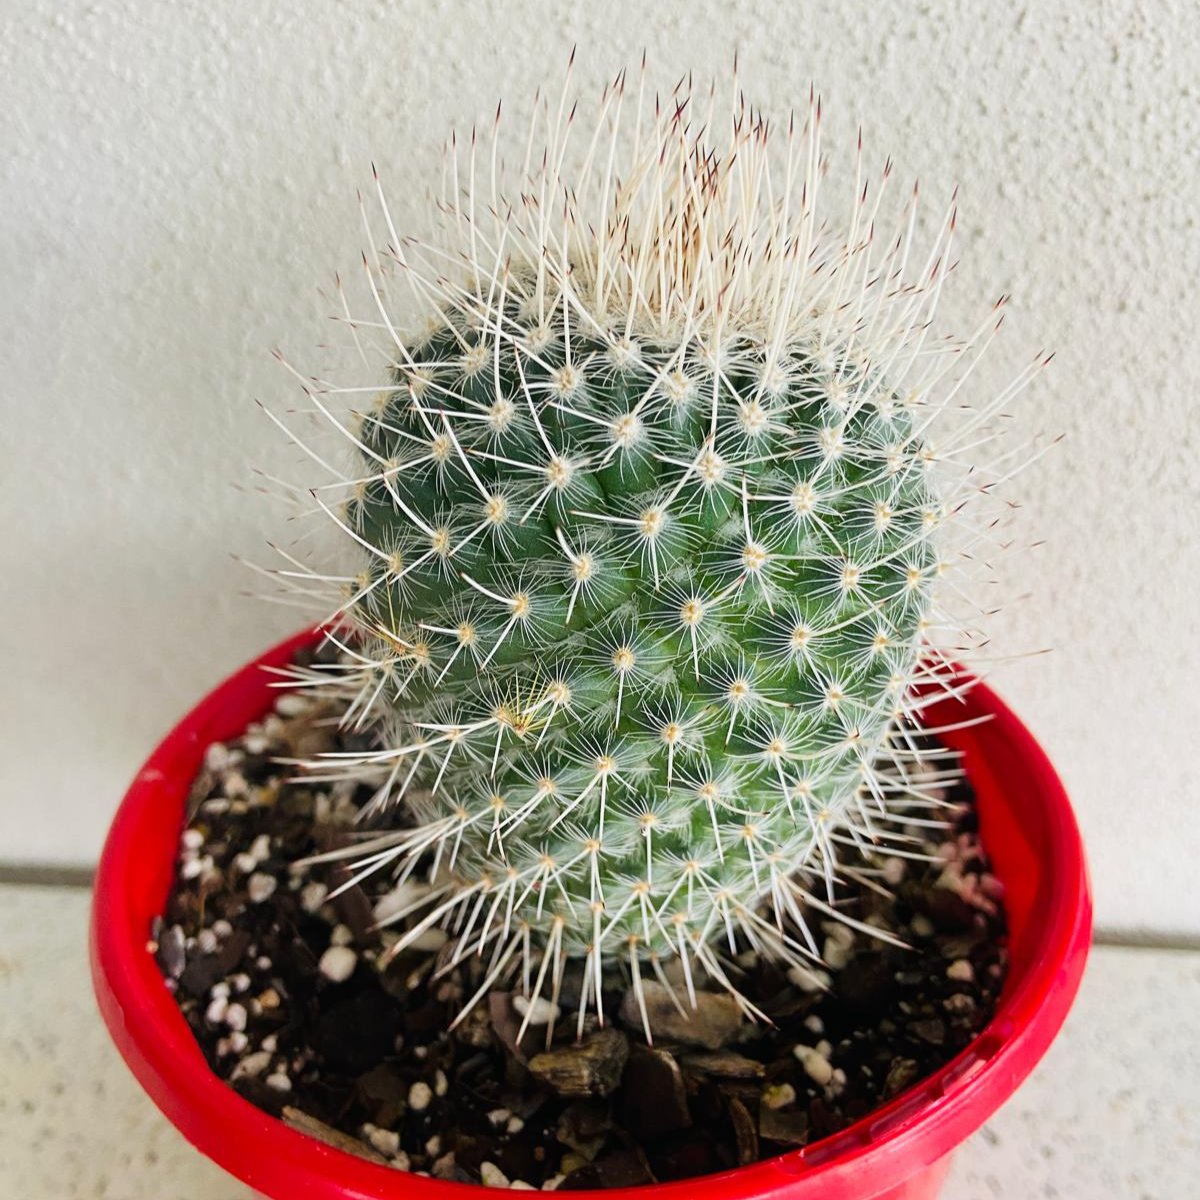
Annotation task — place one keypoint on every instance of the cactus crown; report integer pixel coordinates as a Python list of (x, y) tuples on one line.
[(648, 521)]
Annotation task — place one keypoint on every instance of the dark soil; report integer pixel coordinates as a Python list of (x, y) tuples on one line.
[(287, 999)]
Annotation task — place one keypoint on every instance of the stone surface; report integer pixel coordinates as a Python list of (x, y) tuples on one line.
[(1113, 1111), (713, 1023), (593, 1068)]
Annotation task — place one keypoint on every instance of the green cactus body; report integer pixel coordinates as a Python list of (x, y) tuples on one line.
[(648, 532), (643, 617)]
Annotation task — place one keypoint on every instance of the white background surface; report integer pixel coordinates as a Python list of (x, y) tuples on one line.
[(176, 180)]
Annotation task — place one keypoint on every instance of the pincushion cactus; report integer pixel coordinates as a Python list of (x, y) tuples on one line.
[(649, 520)]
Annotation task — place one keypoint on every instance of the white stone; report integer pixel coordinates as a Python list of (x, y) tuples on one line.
[(252, 1065), (338, 963), (816, 1066), (961, 971), (430, 940), (386, 1141), (419, 1096), (538, 1011), (312, 895), (398, 899), (279, 1082), (809, 979), (260, 887), (342, 935), (217, 756), (835, 954), (491, 1175)]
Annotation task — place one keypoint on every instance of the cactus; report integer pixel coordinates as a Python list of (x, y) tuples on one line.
[(648, 521)]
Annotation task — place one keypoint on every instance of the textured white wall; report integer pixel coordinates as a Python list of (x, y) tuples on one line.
[(178, 178)]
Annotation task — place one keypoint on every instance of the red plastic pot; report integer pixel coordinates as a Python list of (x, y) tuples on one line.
[(900, 1152)]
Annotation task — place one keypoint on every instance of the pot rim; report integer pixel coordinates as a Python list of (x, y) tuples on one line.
[(888, 1146)]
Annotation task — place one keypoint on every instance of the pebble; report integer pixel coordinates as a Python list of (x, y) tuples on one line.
[(172, 951), (260, 887), (922, 926), (234, 784), (419, 1096), (715, 1021), (192, 839), (429, 941), (498, 1117), (342, 935), (490, 1175), (809, 979), (537, 1011), (260, 848), (235, 1017), (816, 1067), (893, 871), (279, 1082), (312, 896), (398, 899), (961, 971), (441, 1085), (814, 1024), (592, 1068), (835, 954), (217, 757), (779, 1095), (338, 963), (214, 1014), (386, 1141), (245, 863), (291, 704), (253, 1065)]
